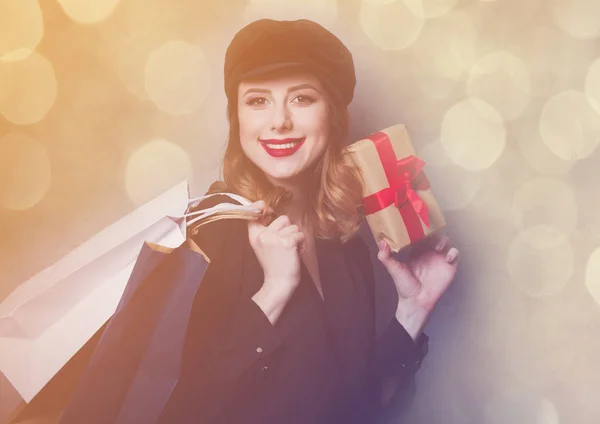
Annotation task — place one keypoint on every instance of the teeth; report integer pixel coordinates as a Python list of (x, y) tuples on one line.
[(282, 146)]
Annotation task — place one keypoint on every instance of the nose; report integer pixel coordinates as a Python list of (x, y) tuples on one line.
[(282, 119)]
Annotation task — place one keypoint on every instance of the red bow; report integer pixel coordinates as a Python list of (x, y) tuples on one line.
[(404, 176)]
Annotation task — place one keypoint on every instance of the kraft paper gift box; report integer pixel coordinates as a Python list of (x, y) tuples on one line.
[(398, 203)]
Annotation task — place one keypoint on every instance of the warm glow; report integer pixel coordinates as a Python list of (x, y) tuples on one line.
[(22, 28), (88, 11), (473, 134), (177, 77), (570, 126), (25, 172), (155, 167), (28, 89), (502, 80), (389, 24)]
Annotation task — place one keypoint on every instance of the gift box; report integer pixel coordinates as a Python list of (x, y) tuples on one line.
[(398, 203)]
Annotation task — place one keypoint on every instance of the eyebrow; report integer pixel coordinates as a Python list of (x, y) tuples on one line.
[(294, 88)]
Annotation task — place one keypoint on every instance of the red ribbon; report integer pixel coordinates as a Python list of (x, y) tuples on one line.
[(404, 176)]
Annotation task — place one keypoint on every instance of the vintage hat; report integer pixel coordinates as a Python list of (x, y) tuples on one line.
[(268, 45)]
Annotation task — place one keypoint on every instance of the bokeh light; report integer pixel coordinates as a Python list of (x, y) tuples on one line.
[(494, 199), (29, 88), (540, 271), (546, 202), (570, 126), (592, 84), (498, 185), (519, 405), (592, 275), (444, 51), (486, 89), (88, 11), (390, 25), (536, 152), (177, 77), (547, 413), (430, 9), (547, 356), (473, 134), (25, 171), (502, 80), (22, 28), (454, 187), (578, 18), (154, 168), (321, 11), (130, 61)]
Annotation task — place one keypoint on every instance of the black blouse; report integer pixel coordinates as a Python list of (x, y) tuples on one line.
[(320, 363)]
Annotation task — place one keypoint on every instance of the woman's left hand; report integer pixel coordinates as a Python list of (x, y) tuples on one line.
[(421, 280)]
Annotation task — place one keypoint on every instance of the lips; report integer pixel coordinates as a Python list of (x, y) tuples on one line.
[(282, 148)]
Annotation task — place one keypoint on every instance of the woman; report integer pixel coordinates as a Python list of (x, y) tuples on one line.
[(282, 329)]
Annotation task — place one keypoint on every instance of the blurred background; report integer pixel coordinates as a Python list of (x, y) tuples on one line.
[(105, 104)]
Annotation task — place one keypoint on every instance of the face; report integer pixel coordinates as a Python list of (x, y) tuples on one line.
[(284, 124)]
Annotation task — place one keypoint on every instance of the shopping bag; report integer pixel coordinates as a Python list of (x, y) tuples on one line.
[(137, 361), (48, 405), (48, 318)]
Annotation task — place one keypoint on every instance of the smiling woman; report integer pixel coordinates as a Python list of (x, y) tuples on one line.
[(280, 117), (283, 326)]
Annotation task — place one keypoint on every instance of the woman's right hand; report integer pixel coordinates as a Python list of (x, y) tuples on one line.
[(277, 247)]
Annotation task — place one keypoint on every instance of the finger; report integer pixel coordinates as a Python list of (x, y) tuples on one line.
[(452, 255), (259, 204), (437, 242), (255, 228), (385, 251), (279, 223), (290, 229), (404, 279), (442, 244), (295, 240)]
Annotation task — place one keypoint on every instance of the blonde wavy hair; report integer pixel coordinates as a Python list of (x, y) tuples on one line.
[(334, 183)]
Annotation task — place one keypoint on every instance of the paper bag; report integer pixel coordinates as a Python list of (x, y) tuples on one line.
[(48, 318), (137, 361)]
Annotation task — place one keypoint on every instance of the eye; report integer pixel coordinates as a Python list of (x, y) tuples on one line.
[(256, 101), (304, 99)]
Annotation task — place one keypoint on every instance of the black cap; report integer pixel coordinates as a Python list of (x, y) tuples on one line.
[(268, 45)]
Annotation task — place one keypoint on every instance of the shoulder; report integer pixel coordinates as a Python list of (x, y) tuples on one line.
[(215, 237)]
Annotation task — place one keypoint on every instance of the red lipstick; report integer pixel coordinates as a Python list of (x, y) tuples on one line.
[(285, 147)]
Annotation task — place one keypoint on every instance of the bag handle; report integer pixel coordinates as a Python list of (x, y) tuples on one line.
[(228, 210)]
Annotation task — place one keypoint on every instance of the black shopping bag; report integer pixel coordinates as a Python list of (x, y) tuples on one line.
[(136, 363)]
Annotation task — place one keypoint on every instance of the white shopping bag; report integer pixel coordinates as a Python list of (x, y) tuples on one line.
[(49, 317)]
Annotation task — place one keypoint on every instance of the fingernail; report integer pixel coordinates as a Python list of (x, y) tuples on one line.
[(381, 244)]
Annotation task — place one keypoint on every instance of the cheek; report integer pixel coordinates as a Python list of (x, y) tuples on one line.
[(250, 125)]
